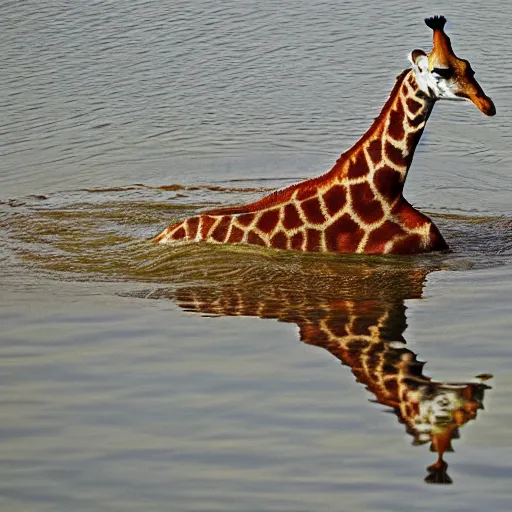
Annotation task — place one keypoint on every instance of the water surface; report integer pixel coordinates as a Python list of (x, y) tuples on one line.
[(206, 378)]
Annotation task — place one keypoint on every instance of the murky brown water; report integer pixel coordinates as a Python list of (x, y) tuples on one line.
[(146, 377)]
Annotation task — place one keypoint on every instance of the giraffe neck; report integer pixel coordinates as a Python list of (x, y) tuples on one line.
[(380, 160)]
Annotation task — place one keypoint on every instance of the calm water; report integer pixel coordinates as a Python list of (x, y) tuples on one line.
[(137, 377)]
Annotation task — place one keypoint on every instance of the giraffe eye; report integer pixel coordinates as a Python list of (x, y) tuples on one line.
[(443, 72)]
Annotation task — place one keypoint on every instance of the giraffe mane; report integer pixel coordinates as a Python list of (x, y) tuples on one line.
[(379, 119), (284, 195), (274, 199)]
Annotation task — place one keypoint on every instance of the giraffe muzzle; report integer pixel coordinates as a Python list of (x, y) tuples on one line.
[(482, 102), (486, 105)]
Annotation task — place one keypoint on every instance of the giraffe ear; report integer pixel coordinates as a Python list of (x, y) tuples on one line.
[(418, 58)]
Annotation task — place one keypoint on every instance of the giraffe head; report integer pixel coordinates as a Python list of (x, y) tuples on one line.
[(442, 75)]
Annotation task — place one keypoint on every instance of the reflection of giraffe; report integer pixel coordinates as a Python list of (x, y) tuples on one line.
[(356, 207), (364, 330)]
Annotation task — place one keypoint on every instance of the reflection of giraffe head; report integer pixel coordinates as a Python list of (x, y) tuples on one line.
[(443, 75), (434, 414), (442, 410), (443, 407)]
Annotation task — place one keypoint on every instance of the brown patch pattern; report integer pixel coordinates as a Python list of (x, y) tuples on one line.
[(411, 244), (291, 219), (313, 238), (179, 234), (343, 235), (268, 221), (359, 167), (395, 155), (388, 182), (236, 235), (381, 236), (279, 240), (364, 203), (313, 211), (413, 105), (192, 225), (221, 229), (335, 199), (245, 219), (374, 150), (297, 241), (396, 122), (206, 224), (415, 121), (337, 326), (362, 324), (391, 386)]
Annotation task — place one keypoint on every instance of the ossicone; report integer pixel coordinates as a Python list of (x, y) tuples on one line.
[(436, 22)]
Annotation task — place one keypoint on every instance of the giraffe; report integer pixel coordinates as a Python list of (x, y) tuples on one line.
[(364, 330), (357, 206)]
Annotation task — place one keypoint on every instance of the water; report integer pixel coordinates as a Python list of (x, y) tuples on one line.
[(144, 377)]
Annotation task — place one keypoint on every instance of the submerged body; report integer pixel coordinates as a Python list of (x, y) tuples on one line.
[(358, 206)]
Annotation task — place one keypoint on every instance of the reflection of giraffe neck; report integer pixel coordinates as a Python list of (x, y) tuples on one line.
[(366, 336), (355, 207)]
